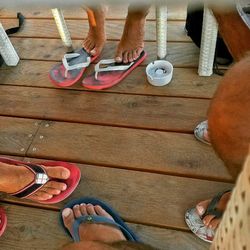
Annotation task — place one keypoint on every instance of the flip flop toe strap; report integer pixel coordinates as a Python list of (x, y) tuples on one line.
[(212, 207), (71, 56), (111, 65), (95, 219), (40, 179)]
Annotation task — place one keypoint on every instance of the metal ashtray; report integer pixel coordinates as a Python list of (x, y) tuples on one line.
[(159, 73)]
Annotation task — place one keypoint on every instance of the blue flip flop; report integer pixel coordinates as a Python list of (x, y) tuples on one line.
[(96, 219)]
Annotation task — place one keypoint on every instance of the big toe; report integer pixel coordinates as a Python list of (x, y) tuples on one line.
[(68, 218), (58, 172), (201, 207)]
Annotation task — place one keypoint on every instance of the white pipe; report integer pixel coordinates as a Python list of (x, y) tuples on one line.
[(62, 27), (208, 43), (7, 50), (161, 30)]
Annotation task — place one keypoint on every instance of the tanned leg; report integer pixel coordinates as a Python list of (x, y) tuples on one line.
[(131, 44), (96, 37)]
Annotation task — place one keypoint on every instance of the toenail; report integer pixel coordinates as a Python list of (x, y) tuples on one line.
[(64, 187), (83, 204), (65, 174), (76, 206), (200, 210), (66, 212)]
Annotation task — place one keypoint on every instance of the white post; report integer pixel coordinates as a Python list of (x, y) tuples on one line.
[(161, 30), (62, 27), (208, 43), (7, 50)]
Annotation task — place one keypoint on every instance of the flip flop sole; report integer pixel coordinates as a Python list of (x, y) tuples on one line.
[(3, 221), (56, 73), (71, 182), (106, 207), (111, 78)]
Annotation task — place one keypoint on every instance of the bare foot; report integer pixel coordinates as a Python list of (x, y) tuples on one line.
[(91, 232), (131, 44), (210, 220), (15, 178), (96, 37)]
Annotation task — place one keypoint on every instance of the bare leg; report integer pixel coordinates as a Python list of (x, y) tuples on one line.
[(96, 37), (131, 44), (234, 32)]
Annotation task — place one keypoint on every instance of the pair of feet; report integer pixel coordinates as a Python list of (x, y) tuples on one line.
[(131, 44), (15, 178)]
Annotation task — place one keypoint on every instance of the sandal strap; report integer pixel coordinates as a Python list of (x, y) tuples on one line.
[(114, 66), (68, 67), (212, 207), (95, 219), (40, 179)]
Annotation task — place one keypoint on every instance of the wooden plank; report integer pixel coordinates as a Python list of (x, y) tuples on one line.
[(79, 29), (179, 54), (142, 150), (169, 239), (154, 151), (175, 12), (185, 82), (33, 229), (143, 198), (148, 112), (16, 135)]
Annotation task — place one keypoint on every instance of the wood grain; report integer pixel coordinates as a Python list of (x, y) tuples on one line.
[(185, 82), (119, 11), (143, 198), (148, 112), (79, 29), (154, 151), (179, 54), (32, 231), (16, 135)]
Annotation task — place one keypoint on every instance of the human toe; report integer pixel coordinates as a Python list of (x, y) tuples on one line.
[(68, 218), (58, 172), (202, 206)]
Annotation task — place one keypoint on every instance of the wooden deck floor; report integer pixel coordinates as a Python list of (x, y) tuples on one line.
[(133, 142)]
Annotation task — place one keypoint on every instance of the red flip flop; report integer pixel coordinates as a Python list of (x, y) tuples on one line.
[(71, 69), (3, 221), (41, 178), (112, 74)]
